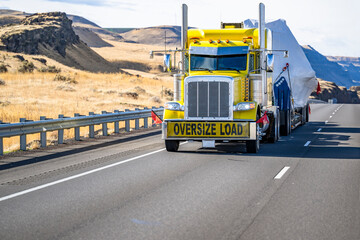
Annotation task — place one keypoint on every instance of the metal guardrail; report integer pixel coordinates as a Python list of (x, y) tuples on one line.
[(45, 125)]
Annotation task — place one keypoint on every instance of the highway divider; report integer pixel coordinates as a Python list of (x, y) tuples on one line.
[(45, 125)]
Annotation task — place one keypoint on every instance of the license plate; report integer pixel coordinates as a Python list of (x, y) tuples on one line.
[(208, 129)]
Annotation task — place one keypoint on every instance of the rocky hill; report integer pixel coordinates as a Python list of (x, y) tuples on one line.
[(52, 35), (89, 32), (349, 64), (92, 34), (329, 90), (154, 35), (331, 70), (8, 16)]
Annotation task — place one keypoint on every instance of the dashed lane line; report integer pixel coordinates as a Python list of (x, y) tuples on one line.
[(281, 173)]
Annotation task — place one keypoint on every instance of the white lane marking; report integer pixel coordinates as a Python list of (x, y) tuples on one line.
[(281, 173), (76, 176), (334, 112), (319, 130), (307, 143), (330, 116)]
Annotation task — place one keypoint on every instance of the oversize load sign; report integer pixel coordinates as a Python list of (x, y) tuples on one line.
[(208, 129)]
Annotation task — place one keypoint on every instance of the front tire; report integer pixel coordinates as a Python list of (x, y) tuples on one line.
[(253, 146), (172, 145)]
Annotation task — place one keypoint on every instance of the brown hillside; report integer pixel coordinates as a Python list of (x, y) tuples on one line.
[(51, 34), (11, 16), (90, 38), (154, 35), (330, 90)]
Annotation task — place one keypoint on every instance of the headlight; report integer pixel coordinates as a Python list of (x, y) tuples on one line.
[(244, 106), (174, 106)]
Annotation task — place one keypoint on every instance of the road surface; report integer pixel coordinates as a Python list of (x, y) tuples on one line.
[(306, 186)]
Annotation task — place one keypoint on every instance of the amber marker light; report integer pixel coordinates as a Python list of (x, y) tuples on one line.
[(210, 41), (219, 41), (227, 41)]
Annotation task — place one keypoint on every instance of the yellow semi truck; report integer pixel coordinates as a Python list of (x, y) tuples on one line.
[(225, 89)]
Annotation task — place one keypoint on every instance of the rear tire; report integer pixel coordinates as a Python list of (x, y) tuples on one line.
[(275, 131), (172, 145), (307, 112), (285, 129)]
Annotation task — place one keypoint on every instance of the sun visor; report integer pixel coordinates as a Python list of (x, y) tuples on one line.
[(218, 51)]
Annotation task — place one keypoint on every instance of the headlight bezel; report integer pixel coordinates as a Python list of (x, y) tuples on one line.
[(244, 106), (174, 106)]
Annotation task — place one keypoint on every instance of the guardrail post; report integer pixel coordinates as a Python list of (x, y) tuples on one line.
[(61, 132), (43, 134), (1, 146), (116, 124), (91, 127), (23, 138), (77, 129), (104, 126), (137, 121), (127, 123), (145, 120)]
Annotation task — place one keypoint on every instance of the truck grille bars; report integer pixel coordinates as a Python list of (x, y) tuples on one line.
[(208, 98)]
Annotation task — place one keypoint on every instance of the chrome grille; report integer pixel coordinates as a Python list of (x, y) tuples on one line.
[(208, 98)]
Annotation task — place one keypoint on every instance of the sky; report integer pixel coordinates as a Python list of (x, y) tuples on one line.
[(331, 27)]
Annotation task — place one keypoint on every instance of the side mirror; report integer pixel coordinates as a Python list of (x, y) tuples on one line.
[(151, 54), (167, 62), (270, 62)]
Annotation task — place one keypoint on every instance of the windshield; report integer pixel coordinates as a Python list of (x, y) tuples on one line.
[(210, 62)]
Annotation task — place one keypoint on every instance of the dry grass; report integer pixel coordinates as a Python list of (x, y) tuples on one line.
[(133, 53), (31, 95)]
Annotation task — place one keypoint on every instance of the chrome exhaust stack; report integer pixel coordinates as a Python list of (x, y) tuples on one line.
[(179, 77), (261, 26)]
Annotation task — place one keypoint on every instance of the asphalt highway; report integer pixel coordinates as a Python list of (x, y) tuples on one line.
[(306, 186)]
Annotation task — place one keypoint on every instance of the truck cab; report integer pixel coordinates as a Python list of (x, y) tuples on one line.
[(217, 90)]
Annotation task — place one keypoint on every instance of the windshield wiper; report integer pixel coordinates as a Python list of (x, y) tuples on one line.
[(231, 69), (207, 69)]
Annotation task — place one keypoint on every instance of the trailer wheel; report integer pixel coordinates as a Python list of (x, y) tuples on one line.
[(304, 115), (253, 146), (285, 129), (172, 145), (307, 112)]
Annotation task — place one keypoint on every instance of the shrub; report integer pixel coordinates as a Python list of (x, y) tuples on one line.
[(66, 79), (21, 58), (2, 82), (42, 60), (50, 69), (133, 95), (3, 68), (26, 67)]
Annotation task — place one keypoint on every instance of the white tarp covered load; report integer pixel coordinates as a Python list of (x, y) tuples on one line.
[(302, 76)]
